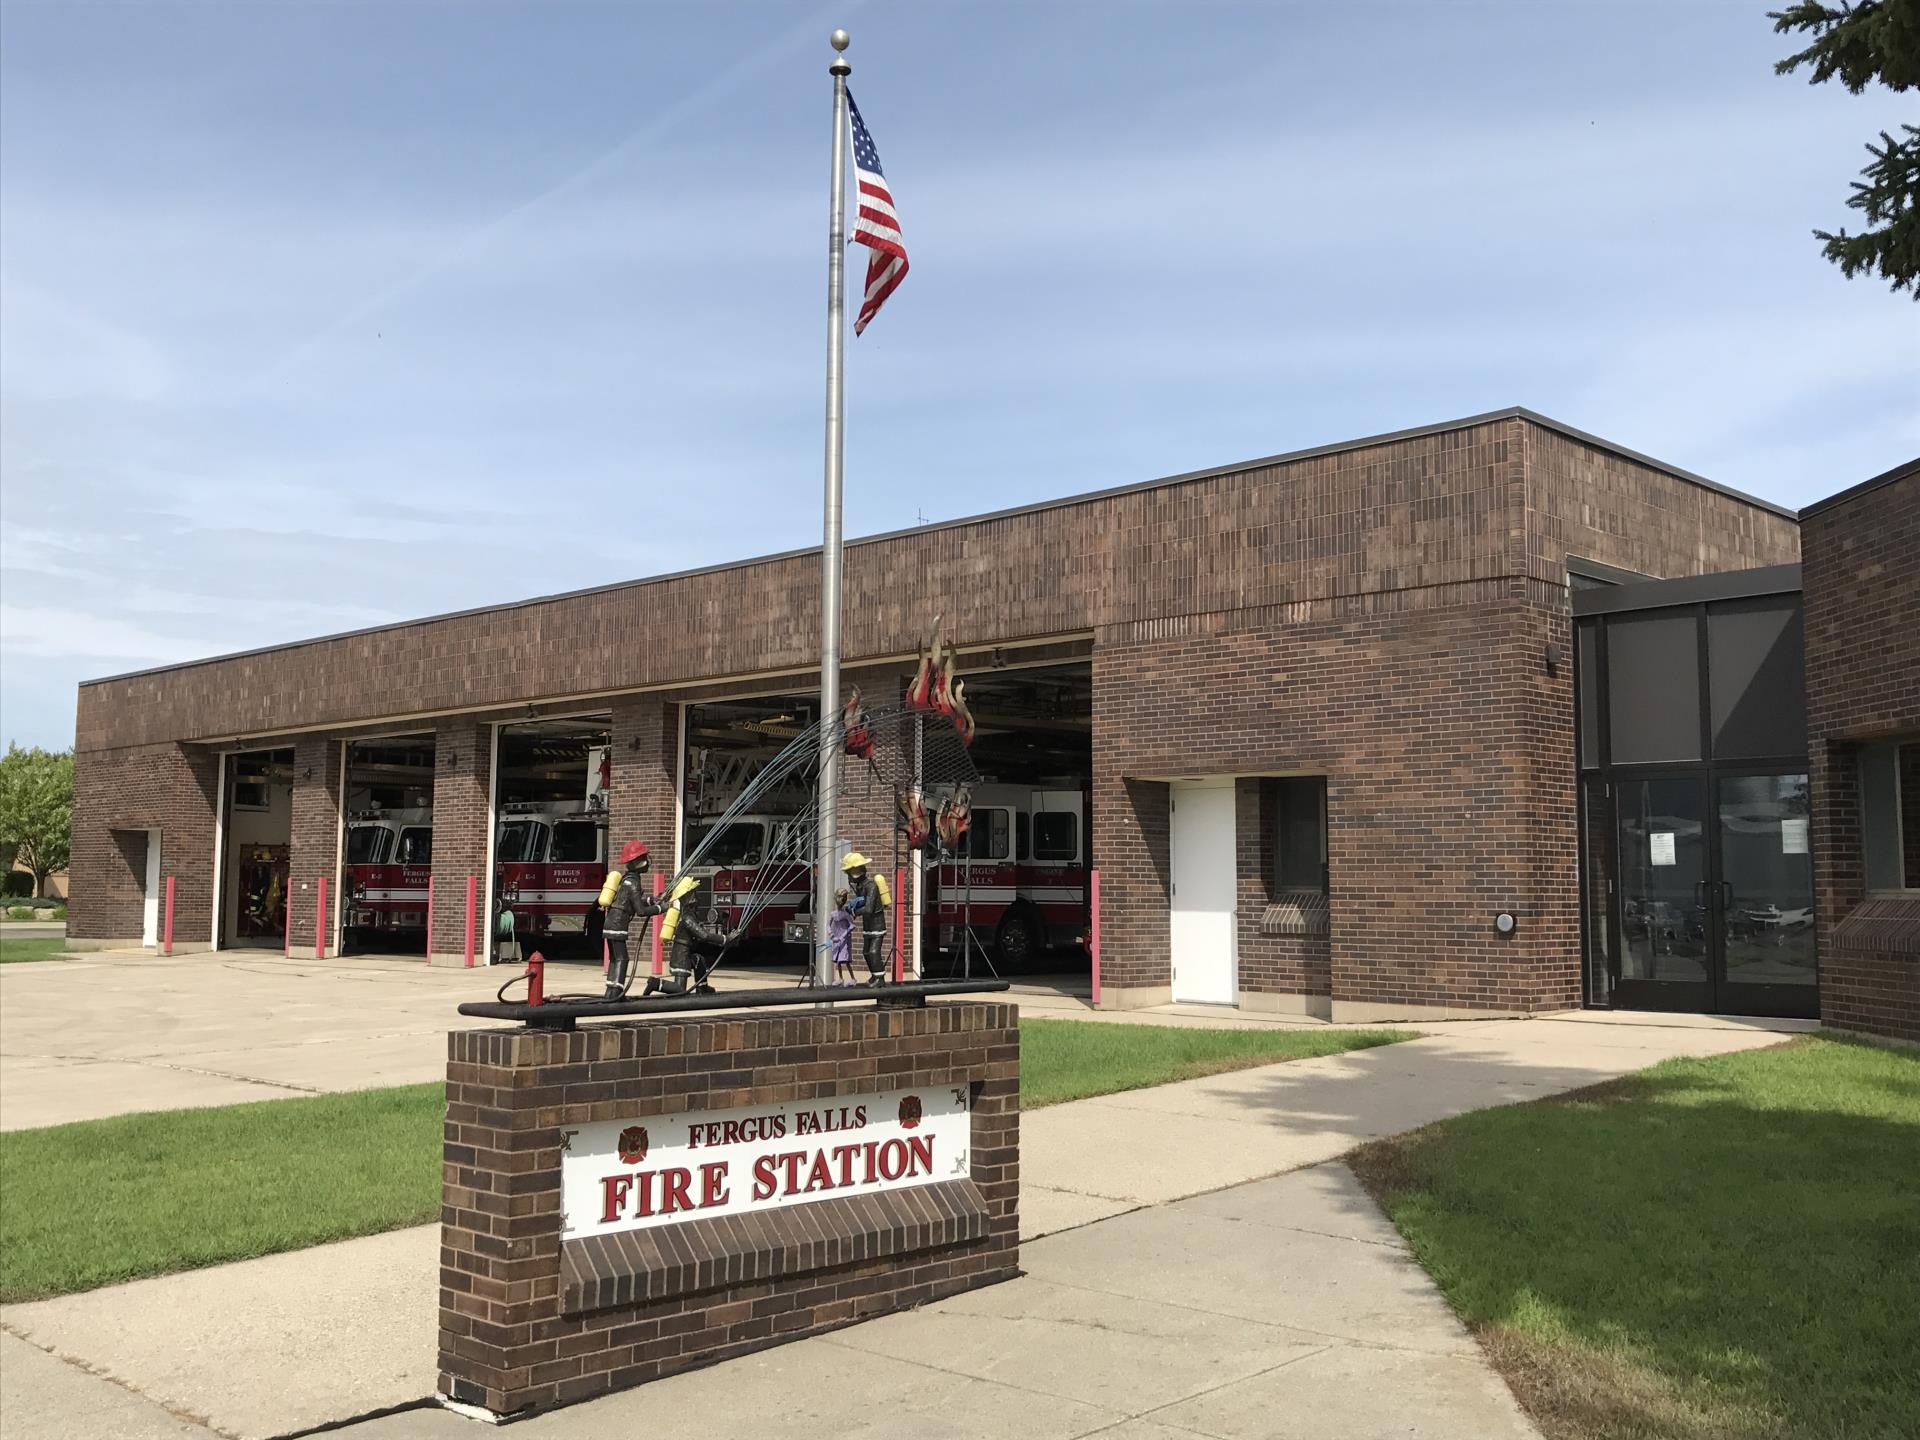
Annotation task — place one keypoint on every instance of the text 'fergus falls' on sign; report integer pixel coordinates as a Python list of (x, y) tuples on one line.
[(662, 1169)]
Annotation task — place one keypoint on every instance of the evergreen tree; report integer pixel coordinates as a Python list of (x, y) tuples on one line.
[(1859, 43)]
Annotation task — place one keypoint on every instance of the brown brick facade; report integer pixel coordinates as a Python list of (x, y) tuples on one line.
[(170, 788), (1437, 818), (462, 801), (530, 1320), (1378, 612), (313, 847), (1862, 554)]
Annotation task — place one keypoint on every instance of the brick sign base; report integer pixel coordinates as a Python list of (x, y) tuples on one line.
[(530, 1319)]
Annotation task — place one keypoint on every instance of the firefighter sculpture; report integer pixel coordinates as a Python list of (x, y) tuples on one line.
[(694, 946), (868, 900), (625, 898)]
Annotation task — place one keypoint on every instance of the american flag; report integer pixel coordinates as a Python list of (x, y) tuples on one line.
[(875, 226)]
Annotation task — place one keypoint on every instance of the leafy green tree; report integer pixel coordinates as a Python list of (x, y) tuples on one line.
[(36, 809), (1860, 43)]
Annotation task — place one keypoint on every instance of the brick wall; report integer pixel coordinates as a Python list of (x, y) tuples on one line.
[(1377, 537), (524, 1321), (1862, 609), (313, 845), (1422, 721), (462, 795), (1585, 500), (171, 788)]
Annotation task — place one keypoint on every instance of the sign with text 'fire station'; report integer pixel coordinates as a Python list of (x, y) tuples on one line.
[(662, 1169)]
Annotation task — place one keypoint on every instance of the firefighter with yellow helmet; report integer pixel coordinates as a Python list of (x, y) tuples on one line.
[(868, 899), (693, 945)]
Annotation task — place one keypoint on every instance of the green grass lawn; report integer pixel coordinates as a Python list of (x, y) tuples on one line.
[(103, 1201), (1072, 1059), (17, 948), (1709, 1249)]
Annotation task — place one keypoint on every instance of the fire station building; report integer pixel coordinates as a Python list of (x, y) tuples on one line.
[(1347, 733)]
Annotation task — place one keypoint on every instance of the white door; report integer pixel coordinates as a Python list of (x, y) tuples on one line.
[(1205, 968), (150, 900)]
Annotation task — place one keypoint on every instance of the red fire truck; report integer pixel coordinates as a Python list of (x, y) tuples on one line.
[(388, 863), (549, 861), (1023, 882), (757, 860), (1021, 886)]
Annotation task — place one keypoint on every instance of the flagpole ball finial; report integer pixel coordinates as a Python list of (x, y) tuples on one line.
[(840, 40)]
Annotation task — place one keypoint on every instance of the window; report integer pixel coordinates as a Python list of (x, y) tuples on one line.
[(1653, 687), (416, 845), (250, 778), (1754, 669), (522, 842), (1056, 835), (1300, 833), (575, 842), (367, 844), (990, 837), (738, 844), (1890, 815)]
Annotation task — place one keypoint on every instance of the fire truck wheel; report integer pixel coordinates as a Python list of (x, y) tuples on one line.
[(1017, 939)]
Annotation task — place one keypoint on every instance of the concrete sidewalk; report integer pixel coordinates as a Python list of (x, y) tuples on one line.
[(1108, 1213)]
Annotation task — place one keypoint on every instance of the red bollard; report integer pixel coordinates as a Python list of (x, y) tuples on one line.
[(166, 936), (320, 921), (899, 924), (536, 979), (1093, 937), (473, 887), (659, 952)]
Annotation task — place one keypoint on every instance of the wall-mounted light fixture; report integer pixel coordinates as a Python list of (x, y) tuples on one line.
[(1553, 657), (1504, 922)]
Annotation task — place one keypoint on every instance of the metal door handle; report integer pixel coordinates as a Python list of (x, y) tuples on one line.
[(1726, 894)]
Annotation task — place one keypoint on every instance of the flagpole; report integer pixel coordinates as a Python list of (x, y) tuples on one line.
[(826, 846)]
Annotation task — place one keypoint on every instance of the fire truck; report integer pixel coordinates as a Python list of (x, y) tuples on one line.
[(1022, 882), (388, 864), (1021, 885), (758, 861), (550, 859)]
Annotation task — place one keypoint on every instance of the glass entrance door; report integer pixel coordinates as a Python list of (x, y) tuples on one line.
[(1716, 894), (1666, 924), (1765, 898)]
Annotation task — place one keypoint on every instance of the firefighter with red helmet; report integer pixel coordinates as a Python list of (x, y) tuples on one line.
[(625, 897), (868, 897)]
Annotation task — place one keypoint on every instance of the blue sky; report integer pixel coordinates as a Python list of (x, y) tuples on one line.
[(319, 316)]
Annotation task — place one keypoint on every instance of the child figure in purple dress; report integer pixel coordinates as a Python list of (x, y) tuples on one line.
[(840, 939)]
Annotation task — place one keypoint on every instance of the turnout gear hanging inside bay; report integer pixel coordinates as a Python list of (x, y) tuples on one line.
[(625, 897), (868, 899), (694, 945)]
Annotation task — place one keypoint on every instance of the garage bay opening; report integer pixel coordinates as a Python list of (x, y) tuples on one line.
[(386, 862), (551, 779), (256, 832), (1014, 899)]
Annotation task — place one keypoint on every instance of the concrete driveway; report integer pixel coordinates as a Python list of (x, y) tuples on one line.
[(109, 1032)]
